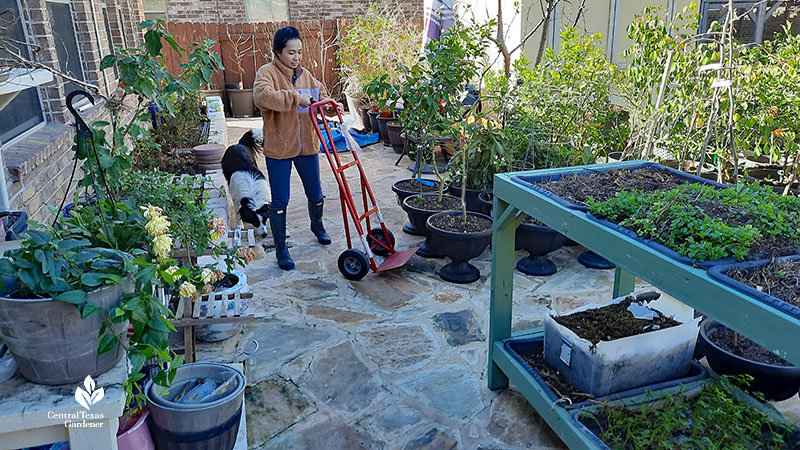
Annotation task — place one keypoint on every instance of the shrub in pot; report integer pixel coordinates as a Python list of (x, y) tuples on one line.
[(729, 353), (461, 237)]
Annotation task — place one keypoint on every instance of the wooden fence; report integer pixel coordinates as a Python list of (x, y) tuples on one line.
[(244, 47)]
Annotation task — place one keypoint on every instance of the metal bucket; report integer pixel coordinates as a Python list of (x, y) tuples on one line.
[(52, 344), (203, 426)]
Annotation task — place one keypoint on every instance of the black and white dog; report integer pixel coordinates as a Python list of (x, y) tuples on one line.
[(246, 183)]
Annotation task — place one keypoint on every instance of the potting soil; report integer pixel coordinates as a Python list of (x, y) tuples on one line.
[(554, 379), (602, 186), (416, 186), (612, 322), (780, 279), (432, 203), (744, 347), (456, 223)]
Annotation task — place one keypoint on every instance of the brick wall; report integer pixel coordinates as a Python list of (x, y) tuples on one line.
[(40, 163), (233, 11), (313, 9), (211, 11)]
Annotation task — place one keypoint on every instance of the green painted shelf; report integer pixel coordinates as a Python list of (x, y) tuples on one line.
[(769, 327)]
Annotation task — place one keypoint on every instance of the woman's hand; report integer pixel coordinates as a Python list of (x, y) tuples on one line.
[(305, 100), (330, 110)]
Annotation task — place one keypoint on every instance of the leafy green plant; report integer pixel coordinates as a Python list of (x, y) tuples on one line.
[(713, 419), (705, 223)]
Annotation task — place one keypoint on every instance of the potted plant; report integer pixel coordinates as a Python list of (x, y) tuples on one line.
[(61, 289), (241, 99), (420, 208), (729, 353), (408, 187)]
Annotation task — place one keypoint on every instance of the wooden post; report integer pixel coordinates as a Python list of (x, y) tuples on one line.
[(502, 285)]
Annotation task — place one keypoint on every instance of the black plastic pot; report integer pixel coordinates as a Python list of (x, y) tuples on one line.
[(408, 228), (373, 121), (365, 118), (395, 132), (419, 218), (538, 241), (383, 128), (460, 248), (592, 260), (775, 382), (485, 203), (473, 204), (15, 223)]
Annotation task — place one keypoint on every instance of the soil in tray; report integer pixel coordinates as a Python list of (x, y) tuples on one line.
[(432, 203), (554, 379), (780, 279), (714, 420), (741, 346), (416, 186), (612, 322), (602, 186), (456, 223)]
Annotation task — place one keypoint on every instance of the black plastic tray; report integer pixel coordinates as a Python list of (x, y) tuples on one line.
[(718, 273), (530, 180)]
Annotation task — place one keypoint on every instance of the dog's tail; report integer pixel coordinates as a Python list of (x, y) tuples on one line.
[(254, 139)]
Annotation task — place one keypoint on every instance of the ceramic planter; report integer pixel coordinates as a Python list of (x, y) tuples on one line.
[(460, 248), (208, 156), (50, 341), (221, 331), (538, 241), (626, 363), (775, 382), (242, 104), (419, 218), (137, 436)]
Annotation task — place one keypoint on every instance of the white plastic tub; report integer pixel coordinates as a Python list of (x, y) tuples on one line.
[(626, 363)]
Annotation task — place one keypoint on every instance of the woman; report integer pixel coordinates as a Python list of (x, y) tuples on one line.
[(284, 91)]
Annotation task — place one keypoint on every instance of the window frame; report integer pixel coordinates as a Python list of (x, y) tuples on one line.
[(42, 113), (759, 16), (83, 103)]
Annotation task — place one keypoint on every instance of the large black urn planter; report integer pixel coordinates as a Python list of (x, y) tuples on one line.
[(775, 382), (408, 228), (592, 260), (470, 197), (395, 132), (485, 203), (419, 218), (538, 241), (460, 248)]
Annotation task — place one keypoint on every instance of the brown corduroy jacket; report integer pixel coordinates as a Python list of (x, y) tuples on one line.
[(288, 129)]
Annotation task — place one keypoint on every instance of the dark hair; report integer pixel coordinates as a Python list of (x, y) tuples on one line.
[(282, 36)]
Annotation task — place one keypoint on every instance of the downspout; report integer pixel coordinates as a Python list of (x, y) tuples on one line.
[(99, 45)]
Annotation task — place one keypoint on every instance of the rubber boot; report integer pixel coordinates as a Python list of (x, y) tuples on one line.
[(315, 213), (277, 222)]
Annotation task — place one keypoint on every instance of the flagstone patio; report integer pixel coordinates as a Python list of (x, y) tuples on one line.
[(397, 360)]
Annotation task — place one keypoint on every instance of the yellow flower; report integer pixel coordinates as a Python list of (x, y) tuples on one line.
[(162, 245), (207, 276), (484, 122), (187, 290), (157, 226), (215, 236), (171, 270), (151, 211), (470, 120), (700, 122)]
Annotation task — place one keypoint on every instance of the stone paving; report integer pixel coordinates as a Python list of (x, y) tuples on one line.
[(397, 360)]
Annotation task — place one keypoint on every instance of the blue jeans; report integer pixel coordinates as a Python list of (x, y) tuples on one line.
[(279, 172)]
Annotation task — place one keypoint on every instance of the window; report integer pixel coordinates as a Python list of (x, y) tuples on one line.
[(25, 110), (155, 9), (267, 10), (66, 42), (759, 20), (109, 40)]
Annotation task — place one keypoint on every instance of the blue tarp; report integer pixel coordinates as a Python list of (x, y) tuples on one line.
[(341, 144)]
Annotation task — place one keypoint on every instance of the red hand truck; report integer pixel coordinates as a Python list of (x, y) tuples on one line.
[(354, 264)]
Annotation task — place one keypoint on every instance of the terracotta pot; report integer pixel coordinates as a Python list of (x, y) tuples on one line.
[(209, 153)]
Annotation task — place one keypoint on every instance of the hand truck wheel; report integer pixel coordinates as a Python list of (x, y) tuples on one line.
[(379, 236), (353, 264)]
